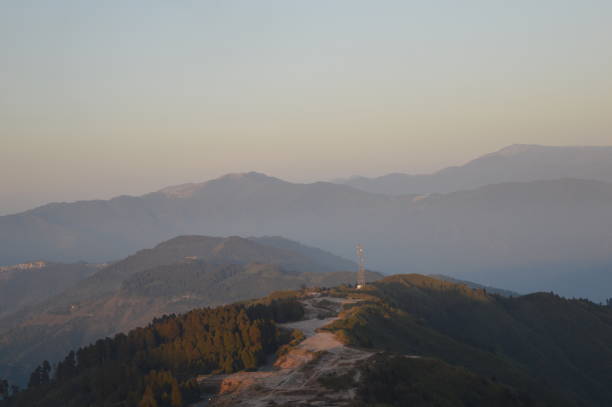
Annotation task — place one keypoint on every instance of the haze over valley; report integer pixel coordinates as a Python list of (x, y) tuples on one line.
[(523, 233)]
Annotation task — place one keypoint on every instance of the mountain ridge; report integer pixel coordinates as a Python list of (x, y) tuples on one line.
[(514, 163), (174, 276), (404, 340), (554, 231)]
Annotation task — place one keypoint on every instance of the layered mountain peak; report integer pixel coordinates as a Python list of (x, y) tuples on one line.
[(181, 242), (181, 191), (520, 149), (247, 176), (190, 189), (238, 250), (515, 149), (514, 163)]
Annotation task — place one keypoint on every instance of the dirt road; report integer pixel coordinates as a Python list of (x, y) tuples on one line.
[(298, 377)]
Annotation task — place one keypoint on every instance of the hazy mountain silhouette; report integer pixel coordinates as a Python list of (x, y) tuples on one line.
[(175, 276), (244, 204), (541, 235), (516, 163)]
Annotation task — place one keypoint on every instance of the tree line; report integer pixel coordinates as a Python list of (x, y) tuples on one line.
[(156, 366)]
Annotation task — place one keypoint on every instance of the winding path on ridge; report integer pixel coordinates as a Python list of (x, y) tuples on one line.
[(294, 379)]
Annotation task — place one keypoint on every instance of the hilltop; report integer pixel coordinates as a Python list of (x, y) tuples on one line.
[(535, 342), (175, 276), (403, 340)]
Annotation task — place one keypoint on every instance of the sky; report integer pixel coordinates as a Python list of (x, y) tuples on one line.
[(102, 98)]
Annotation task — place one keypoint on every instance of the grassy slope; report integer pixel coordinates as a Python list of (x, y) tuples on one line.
[(394, 380), (539, 342)]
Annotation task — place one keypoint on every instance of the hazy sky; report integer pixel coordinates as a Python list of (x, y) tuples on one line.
[(99, 98)]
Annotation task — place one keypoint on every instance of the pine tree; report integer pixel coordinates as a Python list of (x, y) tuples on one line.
[(45, 372), (148, 399), (176, 396), (4, 389), (140, 368), (66, 368), (35, 378)]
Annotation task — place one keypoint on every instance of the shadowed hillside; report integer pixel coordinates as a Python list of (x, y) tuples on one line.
[(414, 340), (540, 342), (156, 365), (27, 284)]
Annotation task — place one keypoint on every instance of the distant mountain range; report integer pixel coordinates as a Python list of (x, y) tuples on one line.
[(237, 204), (516, 163), (175, 276), (522, 236)]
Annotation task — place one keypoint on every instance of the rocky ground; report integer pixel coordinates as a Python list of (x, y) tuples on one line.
[(320, 371)]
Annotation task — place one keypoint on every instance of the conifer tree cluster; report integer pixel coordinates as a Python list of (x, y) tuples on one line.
[(156, 366), (40, 375), (7, 392)]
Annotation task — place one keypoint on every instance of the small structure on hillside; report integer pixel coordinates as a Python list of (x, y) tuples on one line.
[(361, 277)]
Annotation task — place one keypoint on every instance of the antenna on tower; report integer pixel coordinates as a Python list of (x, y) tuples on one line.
[(361, 279)]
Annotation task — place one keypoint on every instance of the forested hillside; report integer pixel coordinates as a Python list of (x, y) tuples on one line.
[(541, 342), (423, 342), (156, 365), (396, 380)]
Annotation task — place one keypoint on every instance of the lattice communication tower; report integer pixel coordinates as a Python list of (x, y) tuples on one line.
[(361, 274)]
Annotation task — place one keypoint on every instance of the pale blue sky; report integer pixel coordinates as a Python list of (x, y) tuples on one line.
[(100, 98)]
